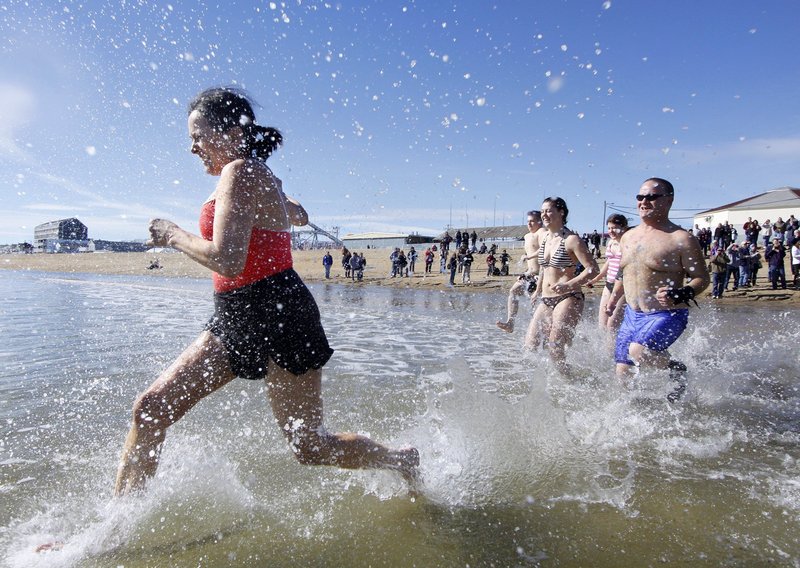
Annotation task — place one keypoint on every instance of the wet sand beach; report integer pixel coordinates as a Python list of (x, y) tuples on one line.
[(308, 264)]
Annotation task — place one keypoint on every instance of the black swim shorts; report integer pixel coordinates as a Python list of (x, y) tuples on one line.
[(275, 318)]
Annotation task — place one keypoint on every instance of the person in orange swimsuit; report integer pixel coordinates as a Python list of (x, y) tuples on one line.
[(266, 324)]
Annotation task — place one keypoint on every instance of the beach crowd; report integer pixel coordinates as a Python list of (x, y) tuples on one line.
[(645, 311)]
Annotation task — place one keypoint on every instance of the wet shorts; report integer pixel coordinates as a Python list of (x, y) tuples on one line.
[(275, 318), (655, 330)]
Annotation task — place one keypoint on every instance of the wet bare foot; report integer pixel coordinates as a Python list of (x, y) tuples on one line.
[(508, 326), (405, 461), (50, 546)]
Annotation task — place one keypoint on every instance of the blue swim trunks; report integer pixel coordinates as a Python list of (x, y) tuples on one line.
[(655, 330)]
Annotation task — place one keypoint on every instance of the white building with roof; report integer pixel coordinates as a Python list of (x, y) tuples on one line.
[(772, 204)]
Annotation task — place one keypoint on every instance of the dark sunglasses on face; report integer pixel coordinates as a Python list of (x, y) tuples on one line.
[(651, 197)]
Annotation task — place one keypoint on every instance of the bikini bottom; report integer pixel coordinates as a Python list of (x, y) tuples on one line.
[(552, 301)]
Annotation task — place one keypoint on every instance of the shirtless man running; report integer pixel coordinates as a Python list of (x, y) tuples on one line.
[(658, 257), (526, 281)]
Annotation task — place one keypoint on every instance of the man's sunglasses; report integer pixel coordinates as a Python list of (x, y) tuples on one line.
[(652, 197)]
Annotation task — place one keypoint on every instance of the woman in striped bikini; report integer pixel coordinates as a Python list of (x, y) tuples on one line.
[(562, 301), (266, 324)]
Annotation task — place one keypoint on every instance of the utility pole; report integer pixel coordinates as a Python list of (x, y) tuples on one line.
[(603, 224)]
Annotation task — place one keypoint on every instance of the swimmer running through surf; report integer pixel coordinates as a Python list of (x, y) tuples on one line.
[(244, 240), (663, 269), (527, 281), (561, 299)]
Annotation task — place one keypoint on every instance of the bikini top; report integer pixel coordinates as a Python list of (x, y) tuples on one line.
[(269, 253), (560, 257)]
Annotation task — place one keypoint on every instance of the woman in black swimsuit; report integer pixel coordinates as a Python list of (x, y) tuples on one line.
[(561, 303)]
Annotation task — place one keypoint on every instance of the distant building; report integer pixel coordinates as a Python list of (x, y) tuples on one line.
[(770, 205), (119, 246), (17, 248), (64, 235), (382, 240), (506, 236)]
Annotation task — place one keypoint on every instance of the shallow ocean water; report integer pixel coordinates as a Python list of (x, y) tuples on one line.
[(520, 467)]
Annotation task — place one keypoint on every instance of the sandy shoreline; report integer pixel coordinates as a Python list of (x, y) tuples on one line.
[(309, 265)]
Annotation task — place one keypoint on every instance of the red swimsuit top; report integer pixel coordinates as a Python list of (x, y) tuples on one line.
[(269, 253)]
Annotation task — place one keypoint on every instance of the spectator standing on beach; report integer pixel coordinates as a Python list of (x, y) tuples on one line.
[(616, 224), (705, 239), (561, 299), (429, 257), (727, 234), (446, 240), (775, 256), (412, 260), (779, 229), (719, 233), (594, 241), (266, 324), (733, 266), (346, 261), (460, 257), (755, 229), (467, 261), (744, 265), (747, 228), (658, 257), (443, 262), (791, 234), (474, 238), (526, 282), (505, 258), (402, 264), (355, 266), (766, 226), (792, 227), (458, 239), (452, 265), (796, 261), (719, 270), (755, 263), (393, 260), (327, 262), (490, 264)]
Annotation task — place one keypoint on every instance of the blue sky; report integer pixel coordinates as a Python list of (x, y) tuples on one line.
[(398, 116)]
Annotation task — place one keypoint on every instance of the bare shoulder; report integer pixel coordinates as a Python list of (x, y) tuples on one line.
[(683, 237), (532, 239), (573, 241), (245, 175)]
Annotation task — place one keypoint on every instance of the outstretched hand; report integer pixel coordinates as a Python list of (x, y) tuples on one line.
[(161, 231)]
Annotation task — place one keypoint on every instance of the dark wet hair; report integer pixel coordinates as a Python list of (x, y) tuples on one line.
[(559, 204), (618, 219), (227, 107), (667, 186), (536, 214)]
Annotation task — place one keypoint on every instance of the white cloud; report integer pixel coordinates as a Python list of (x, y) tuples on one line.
[(17, 105)]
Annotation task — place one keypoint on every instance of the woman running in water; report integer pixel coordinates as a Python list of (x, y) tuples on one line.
[(266, 324), (617, 225), (561, 299)]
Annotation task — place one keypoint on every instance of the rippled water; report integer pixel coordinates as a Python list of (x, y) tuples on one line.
[(520, 467)]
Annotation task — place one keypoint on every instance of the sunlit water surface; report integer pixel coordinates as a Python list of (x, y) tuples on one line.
[(520, 467)]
